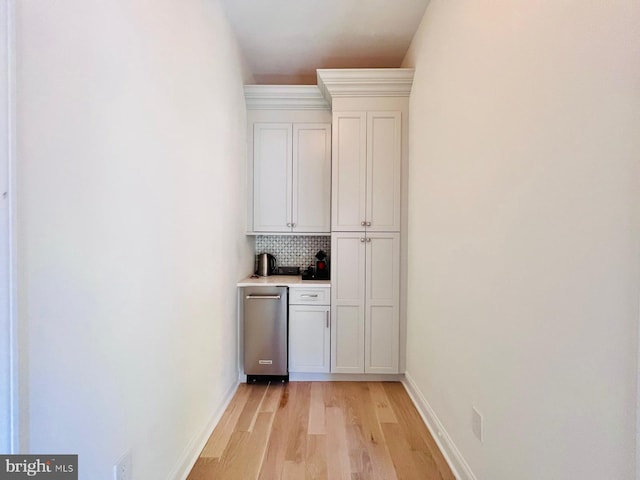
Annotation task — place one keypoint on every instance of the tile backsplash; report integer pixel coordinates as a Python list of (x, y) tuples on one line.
[(293, 251)]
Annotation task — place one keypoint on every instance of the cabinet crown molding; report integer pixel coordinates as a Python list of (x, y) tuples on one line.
[(365, 82), (284, 97)]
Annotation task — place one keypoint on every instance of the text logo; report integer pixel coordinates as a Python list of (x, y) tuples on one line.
[(50, 467)]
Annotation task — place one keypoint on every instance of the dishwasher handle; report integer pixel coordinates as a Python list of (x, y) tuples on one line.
[(263, 297)]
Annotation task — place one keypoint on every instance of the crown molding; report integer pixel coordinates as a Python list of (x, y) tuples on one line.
[(284, 97), (365, 82)]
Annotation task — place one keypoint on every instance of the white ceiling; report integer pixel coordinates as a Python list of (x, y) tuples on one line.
[(284, 41)]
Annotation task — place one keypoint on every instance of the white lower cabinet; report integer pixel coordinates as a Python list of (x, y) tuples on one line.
[(309, 330), (365, 295)]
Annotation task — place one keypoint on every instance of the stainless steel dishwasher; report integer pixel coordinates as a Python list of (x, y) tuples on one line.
[(265, 333)]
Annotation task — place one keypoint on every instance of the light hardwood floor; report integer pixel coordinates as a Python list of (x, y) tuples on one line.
[(321, 430)]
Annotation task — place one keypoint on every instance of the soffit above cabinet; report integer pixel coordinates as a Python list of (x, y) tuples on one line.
[(365, 82), (285, 97)]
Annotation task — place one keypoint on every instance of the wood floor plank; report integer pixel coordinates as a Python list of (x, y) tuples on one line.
[(222, 433), (272, 398), (407, 415), (251, 408), (298, 423), (426, 463), (316, 424), (376, 443), (350, 395), (382, 404), (415, 430), (316, 458), (339, 467), (401, 454), (204, 469), (368, 451), (293, 470), (232, 461), (244, 456), (331, 392), (274, 456), (360, 461)]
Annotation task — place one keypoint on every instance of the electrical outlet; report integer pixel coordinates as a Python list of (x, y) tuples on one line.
[(476, 423), (122, 469)]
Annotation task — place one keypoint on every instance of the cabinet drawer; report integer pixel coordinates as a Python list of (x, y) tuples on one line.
[(309, 296)]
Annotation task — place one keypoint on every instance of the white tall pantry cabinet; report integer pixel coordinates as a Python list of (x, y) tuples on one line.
[(369, 160)]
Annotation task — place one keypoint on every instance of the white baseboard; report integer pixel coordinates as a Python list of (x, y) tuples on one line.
[(344, 377), (452, 455), (338, 377), (192, 451)]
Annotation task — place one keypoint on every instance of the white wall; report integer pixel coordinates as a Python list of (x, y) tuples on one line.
[(5, 206), (524, 243), (131, 141)]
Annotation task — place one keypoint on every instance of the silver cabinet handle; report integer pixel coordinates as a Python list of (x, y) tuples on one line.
[(368, 224), (327, 319), (293, 224), (288, 224), (369, 239), (363, 223), (308, 295), (362, 240), (263, 297)]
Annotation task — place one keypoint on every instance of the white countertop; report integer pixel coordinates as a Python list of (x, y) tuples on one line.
[(283, 280)]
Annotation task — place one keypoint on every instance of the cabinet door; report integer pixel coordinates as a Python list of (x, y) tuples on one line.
[(272, 175), (349, 171), (382, 297), (309, 338), (347, 302), (311, 202), (384, 153)]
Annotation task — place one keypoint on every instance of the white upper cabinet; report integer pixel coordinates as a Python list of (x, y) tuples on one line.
[(349, 171), (384, 158), (367, 159), (311, 188), (292, 177), (288, 161), (272, 176)]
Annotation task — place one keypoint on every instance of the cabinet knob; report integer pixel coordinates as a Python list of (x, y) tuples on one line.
[(362, 224), (368, 240), (368, 224), (362, 240)]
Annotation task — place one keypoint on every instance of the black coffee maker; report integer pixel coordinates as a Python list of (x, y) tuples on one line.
[(322, 266), (319, 271)]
